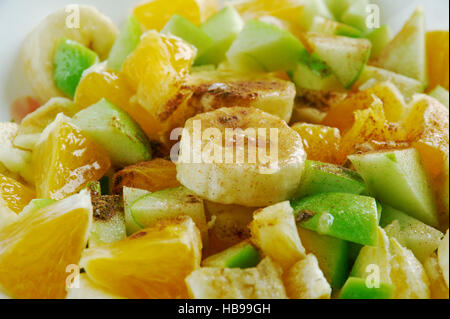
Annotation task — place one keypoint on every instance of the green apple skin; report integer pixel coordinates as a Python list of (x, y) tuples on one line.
[(420, 238), (326, 26), (183, 28), (116, 132), (242, 255), (440, 94), (130, 196), (338, 7), (345, 216), (332, 255), (128, 39), (379, 37), (312, 9), (328, 178), (345, 56), (222, 29), (71, 59), (398, 179), (264, 47), (37, 204), (306, 78), (356, 15), (356, 288)]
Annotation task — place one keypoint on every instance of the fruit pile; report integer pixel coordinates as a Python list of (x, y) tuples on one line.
[(122, 164)]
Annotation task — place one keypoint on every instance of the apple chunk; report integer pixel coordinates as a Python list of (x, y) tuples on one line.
[(356, 288), (242, 255)]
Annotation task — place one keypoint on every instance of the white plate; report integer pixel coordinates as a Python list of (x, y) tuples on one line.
[(18, 17)]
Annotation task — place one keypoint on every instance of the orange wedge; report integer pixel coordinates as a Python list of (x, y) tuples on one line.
[(15, 194), (437, 58)]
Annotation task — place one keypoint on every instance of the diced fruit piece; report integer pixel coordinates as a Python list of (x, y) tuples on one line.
[(22, 107), (356, 288), (398, 178), (326, 26), (54, 236), (89, 290), (115, 132), (356, 15), (109, 221), (222, 29), (306, 77), (312, 9), (443, 256), (345, 56), (152, 263), (328, 178), (167, 204), (407, 86), (131, 195), (305, 280), (37, 204), (438, 286), (440, 94), (332, 255), (152, 176), (380, 37), (274, 231), (155, 14), (70, 60), (422, 239), (242, 255), (262, 282), (15, 194), (437, 46), (406, 53), (34, 123), (321, 143), (345, 216), (186, 30), (264, 47), (338, 7), (128, 39), (58, 173)]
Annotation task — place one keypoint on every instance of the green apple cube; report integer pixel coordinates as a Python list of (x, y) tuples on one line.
[(332, 255), (379, 37), (305, 77), (130, 196), (116, 132), (356, 288), (312, 9), (398, 179), (345, 216), (328, 178), (406, 53), (71, 59), (242, 255), (356, 15), (128, 39), (326, 26), (345, 56), (222, 29), (420, 238), (264, 47), (338, 7), (440, 94), (183, 28)]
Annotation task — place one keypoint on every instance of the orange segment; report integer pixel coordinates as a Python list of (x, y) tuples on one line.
[(65, 160), (15, 194), (154, 15), (153, 176), (152, 263), (321, 143), (36, 250), (437, 58)]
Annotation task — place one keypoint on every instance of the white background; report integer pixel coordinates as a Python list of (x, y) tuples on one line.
[(18, 17)]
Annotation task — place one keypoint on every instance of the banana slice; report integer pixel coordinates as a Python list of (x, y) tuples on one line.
[(84, 24), (240, 156)]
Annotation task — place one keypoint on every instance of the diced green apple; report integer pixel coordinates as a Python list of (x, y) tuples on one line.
[(183, 28), (398, 179), (326, 26), (305, 77), (345, 56), (264, 47), (356, 15), (345, 216), (356, 288), (406, 53), (440, 94), (312, 9), (71, 59), (328, 178), (332, 254), (222, 28), (128, 39), (379, 37), (338, 7), (242, 255), (130, 196), (116, 132)]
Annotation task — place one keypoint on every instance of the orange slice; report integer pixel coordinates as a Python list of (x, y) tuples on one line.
[(437, 58), (15, 194)]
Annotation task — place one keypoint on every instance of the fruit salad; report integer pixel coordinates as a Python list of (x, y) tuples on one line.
[(258, 149)]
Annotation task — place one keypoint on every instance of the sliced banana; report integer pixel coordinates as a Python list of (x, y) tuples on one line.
[(240, 156), (81, 23)]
